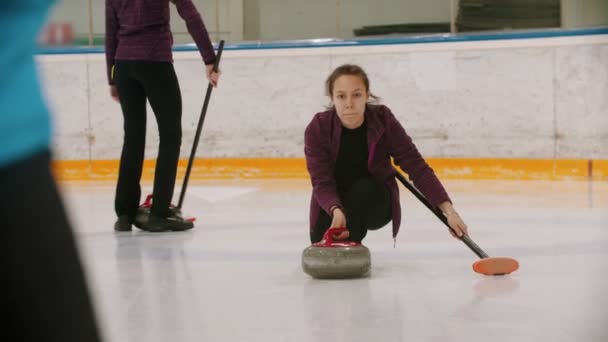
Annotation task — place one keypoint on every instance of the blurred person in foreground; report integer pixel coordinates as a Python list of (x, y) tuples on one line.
[(45, 295)]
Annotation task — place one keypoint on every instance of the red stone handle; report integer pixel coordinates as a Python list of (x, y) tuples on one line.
[(328, 237), (148, 202)]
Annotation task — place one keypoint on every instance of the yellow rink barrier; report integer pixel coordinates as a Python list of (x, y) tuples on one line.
[(295, 168)]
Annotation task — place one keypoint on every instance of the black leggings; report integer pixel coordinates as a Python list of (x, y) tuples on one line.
[(367, 206), (45, 295), (157, 82)]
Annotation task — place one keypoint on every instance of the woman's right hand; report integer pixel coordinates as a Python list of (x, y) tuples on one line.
[(213, 76), (339, 221)]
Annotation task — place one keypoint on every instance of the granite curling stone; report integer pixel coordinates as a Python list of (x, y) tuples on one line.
[(329, 259)]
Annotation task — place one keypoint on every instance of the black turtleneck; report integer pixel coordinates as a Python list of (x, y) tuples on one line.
[(351, 164)]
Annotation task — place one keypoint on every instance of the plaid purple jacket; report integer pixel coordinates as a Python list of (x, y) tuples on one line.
[(140, 30), (386, 138)]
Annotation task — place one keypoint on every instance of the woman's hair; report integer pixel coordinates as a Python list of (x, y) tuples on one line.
[(351, 70)]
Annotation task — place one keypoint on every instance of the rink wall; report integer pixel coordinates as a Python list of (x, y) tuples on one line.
[(530, 105)]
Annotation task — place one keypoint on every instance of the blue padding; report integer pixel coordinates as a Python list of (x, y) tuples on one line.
[(320, 43)]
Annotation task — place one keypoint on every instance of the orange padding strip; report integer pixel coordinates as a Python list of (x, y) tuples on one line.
[(273, 168), (600, 169)]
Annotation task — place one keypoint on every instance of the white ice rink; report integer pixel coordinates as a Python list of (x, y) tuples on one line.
[(237, 275)]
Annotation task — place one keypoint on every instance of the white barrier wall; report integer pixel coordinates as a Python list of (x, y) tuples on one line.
[(526, 98)]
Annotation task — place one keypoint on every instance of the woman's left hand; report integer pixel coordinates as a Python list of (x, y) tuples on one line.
[(454, 221), (457, 224), (114, 93)]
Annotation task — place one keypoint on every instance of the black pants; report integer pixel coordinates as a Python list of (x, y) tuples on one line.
[(367, 206), (138, 81), (44, 291)]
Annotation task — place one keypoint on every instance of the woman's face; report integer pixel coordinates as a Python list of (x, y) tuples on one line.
[(349, 97)]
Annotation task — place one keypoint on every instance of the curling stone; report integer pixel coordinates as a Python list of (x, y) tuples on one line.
[(329, 259)]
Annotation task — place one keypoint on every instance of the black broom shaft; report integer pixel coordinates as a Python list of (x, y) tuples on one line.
[(199, 128), (465, 238)]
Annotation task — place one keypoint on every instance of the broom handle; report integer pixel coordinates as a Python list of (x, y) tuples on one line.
[(465, 238), (199, 128)]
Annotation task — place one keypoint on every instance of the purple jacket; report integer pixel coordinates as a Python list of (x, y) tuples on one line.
[(385, 138), (140, 30)]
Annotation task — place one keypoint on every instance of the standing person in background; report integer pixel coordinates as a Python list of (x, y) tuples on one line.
[(44, 290), (348, 153), (140, 67)]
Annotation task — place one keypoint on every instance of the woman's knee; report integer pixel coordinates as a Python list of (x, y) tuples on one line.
[(171, 136)]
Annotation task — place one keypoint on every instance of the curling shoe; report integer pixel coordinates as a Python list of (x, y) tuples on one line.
[(123, 224), (173, 222)]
